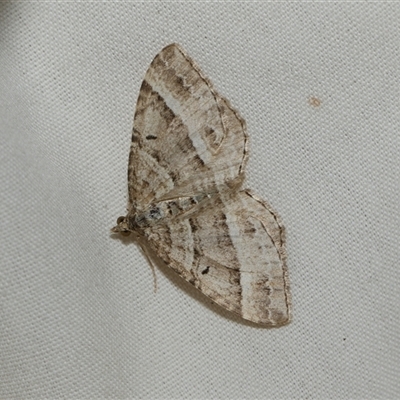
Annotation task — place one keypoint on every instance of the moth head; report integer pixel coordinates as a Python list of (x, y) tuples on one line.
[(122, 227)]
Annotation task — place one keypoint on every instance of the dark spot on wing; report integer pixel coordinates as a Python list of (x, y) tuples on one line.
[(193, 225), (205, 271)]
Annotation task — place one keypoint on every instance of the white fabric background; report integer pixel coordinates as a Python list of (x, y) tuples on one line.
[(79, 318)]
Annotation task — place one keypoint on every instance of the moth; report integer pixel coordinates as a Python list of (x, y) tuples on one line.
[(186, 167)]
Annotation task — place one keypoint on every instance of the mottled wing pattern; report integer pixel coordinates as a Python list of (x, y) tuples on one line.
[(186, 165), (183, 129), (234, 252)]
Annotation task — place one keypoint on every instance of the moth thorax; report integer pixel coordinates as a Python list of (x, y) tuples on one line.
[(146, 218)]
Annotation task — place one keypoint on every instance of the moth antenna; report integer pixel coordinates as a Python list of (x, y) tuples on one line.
[(153, 269)]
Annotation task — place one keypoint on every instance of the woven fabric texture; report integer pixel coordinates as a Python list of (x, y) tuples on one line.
[(318, 85)]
